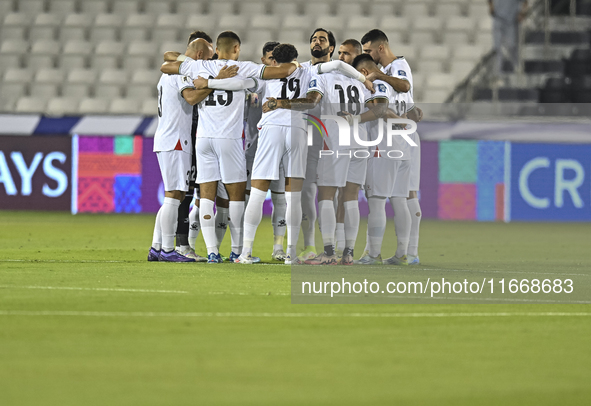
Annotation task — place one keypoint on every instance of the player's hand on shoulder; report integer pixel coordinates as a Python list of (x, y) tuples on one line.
[(369, 85), (373, 76), (200, 83), (228, 71)]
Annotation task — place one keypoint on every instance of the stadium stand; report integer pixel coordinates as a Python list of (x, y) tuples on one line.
[(443, 40)]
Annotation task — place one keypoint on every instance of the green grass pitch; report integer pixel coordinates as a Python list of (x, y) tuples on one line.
[(86, 320)]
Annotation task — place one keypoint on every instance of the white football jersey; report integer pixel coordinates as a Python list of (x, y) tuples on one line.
[(175, 115), (385, 91), (399, 68), (339, 93), (221, 114), (292, 87)]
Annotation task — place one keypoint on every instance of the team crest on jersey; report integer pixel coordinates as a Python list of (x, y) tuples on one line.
[(381, 88), (313, 83), (186, 79), (401, 73)]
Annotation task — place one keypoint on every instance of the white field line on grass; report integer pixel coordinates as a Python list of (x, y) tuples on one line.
[(368, 267), (285, 315), (93, 289)]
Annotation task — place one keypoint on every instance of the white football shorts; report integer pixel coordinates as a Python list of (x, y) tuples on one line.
[(220, 159), (341, 167), (281, 149), (387, 177), (175, 167)]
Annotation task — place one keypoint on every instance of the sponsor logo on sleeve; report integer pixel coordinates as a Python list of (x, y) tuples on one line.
[(401, 73)]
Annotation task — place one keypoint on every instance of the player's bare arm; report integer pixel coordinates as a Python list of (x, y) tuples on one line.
[(197, 95), (378, 108), (310, 101), (415, 115), (400, 85), (171, 56), (279, 72), (171, 67)]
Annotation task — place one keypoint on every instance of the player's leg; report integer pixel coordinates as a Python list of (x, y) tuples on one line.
[(376, 188), (356, 174), (376, 226), (293, 194), (194, 224), (328, 223), (402, 219), (266, 168), (183, 226), (332, 174), (351, 221), (156, 247), (309, 215), (413, 202), (415, 214), (277, 187), (253, 216), (175, 168), (278, 220), (222, 214), (293, 163), (208, 175), (340, 230), (233, 172)]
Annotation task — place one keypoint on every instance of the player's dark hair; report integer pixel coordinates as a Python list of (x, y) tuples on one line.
[(331, 40), (374, 36), (199, 34), (361, 59), (354, 43), (284, 53), (269, 46), (228, 35)]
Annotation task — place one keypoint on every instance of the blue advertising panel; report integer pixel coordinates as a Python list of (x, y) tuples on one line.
[(550, 182)]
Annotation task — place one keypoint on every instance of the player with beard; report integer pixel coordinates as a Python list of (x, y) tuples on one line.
[(322, 46)]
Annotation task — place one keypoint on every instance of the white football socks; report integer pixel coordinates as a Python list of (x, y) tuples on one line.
[(294, 220), (221, 223), (328, 222), (376, 225), (351, 223), (207, 220), (168, 222), (157, 237), (252, 218), (278, 219), (401, 224), (415, 216), (309, 212), (340, 236), (193, 226), (236, 219)]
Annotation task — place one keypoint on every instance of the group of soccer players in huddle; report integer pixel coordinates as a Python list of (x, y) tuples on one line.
[(212, 141)]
